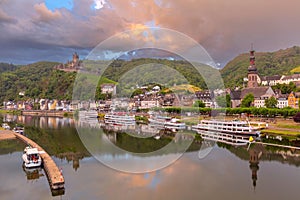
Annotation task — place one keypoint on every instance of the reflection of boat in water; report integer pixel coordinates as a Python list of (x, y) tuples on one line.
[(235, 140), (31, 157), (227, 127), (33, 173), (174, 123), (119, 119), (159, 120)]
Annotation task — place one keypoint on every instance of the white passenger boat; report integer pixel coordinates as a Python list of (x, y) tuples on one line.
[(167, 122), (31, 157), (119, 119), (228, 127)]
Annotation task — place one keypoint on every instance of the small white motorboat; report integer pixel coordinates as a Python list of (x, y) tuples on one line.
[(31, 157)]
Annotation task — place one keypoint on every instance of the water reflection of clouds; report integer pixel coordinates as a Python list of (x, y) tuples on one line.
[(221, 175)]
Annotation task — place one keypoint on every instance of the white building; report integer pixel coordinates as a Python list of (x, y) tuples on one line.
[(108, 88), (259, 103), (278, 79), (282, 102), (146, 104)]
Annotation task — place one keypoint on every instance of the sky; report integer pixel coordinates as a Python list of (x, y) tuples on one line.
[(52, 30)]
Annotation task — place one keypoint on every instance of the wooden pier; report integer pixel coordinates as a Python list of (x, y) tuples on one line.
[(7, 135), (55, 177)]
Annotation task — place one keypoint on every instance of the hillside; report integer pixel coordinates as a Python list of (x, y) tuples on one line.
[(38, 80), (170, 72), (7, 67), (268, 63)]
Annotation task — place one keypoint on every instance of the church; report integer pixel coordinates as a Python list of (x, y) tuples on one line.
[(260, 93)]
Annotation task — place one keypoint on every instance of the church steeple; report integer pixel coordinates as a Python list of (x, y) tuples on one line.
[(254, 161), (252, 71)]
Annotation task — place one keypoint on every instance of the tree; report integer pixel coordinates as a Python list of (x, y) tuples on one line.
[(228, 101), (199, 104), (221, 101), (247, 101), (285, 88), (224, 101), (271, 102)]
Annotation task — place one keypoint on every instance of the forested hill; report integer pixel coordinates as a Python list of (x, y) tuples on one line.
[(7, 67), (42, 80), (280, 62), (38, 80)]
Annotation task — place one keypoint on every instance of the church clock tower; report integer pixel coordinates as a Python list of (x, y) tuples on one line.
[(252, 71)]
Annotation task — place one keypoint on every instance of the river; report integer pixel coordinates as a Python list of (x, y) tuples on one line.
[(226, 172)]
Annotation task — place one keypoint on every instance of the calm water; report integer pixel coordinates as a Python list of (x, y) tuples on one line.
[(225, 173)]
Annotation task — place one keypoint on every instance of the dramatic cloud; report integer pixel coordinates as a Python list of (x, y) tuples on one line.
[(46, 15), (224, 28), (5, 18)]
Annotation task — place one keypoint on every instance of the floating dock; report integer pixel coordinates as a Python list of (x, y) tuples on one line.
[(55, 177)]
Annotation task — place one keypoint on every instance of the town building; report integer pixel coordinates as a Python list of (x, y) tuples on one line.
[(280, 79), (271, 80), (206, 97), (293, 99), (108, 88)]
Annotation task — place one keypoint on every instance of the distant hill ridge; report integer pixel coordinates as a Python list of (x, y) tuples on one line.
[(7, 67), (41, 80), (281, 62)]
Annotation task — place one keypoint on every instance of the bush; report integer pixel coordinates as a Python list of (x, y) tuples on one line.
[(297, 118)]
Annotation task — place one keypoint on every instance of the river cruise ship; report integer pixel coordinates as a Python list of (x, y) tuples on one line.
[(167, 122), (119, 119), (228, 127)]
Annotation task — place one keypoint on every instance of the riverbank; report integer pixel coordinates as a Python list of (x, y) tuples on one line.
[(40, 113)]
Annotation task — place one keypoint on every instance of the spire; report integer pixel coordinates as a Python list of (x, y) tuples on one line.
[(252, 66), (252, 70)]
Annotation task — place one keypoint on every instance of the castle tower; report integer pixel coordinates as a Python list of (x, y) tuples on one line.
[(252, 71), (75, 58)]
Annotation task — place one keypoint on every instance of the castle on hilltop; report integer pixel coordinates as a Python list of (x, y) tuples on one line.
[(73, 65)]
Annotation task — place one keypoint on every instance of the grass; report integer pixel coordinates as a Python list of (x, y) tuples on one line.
[(289, 126), (185, 87), (296, 70), (15, 112), (281, 132)]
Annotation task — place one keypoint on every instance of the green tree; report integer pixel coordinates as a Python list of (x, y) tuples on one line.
[(199, 104), (271, 102), (228, 101), (221, 101), (247, 101)]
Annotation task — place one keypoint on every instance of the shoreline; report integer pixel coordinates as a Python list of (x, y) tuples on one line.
[(40, 113), (276, 126)]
